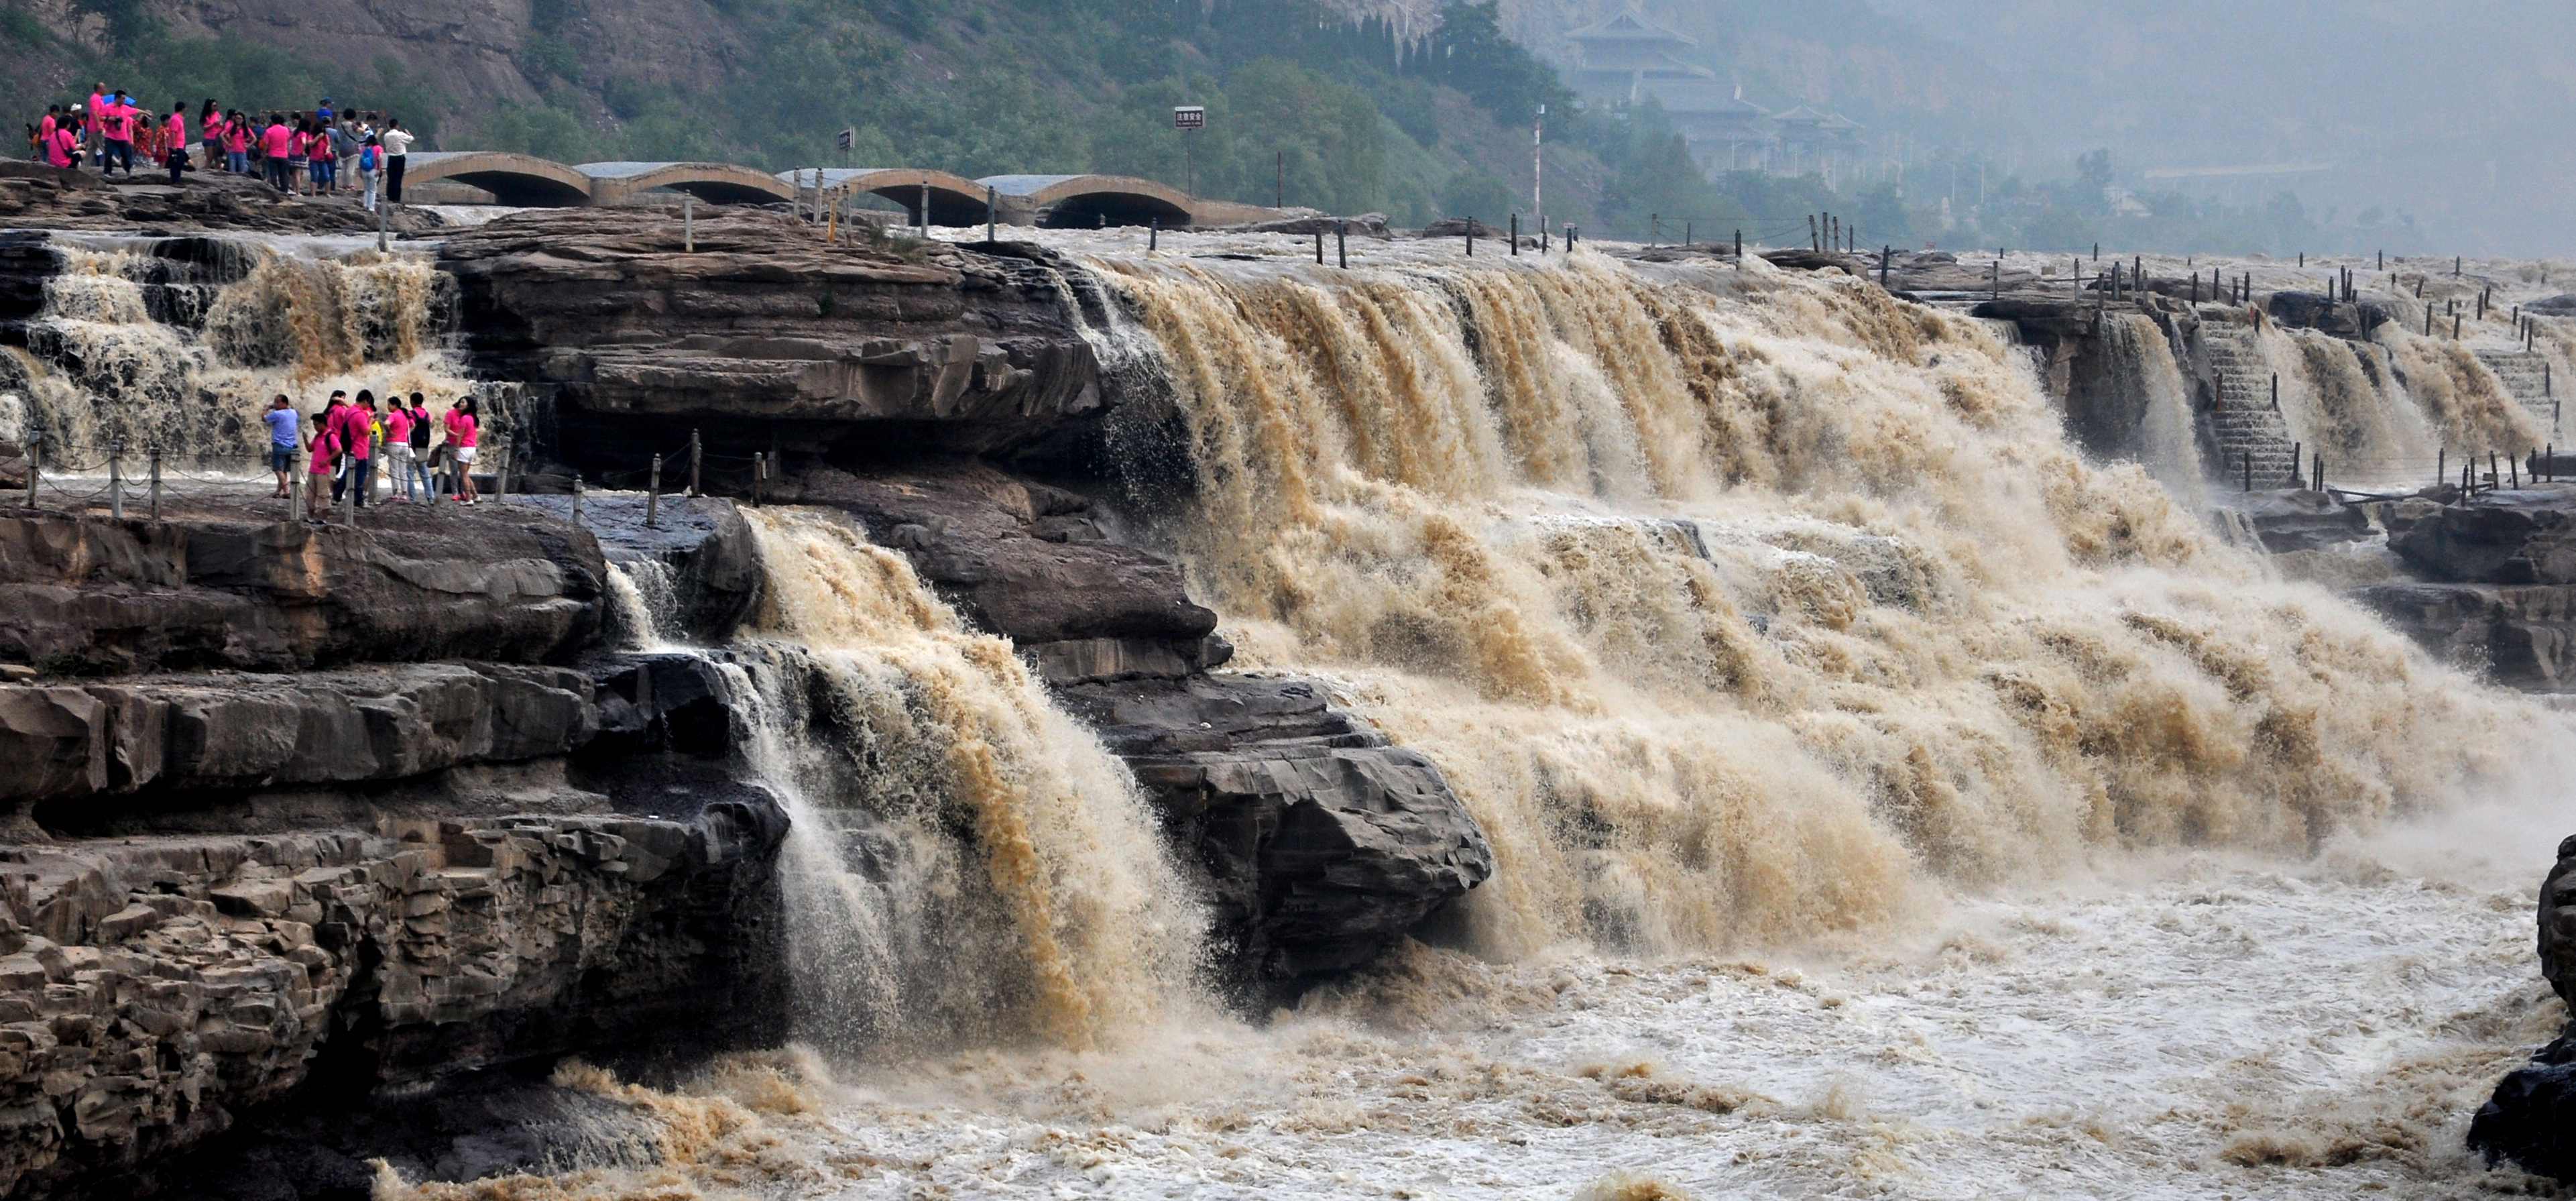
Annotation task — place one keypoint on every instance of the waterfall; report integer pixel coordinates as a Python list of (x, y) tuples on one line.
[(2458, 396), (181, 342), (967, 863), (1748, 606), (644, 602), (2165, 440)]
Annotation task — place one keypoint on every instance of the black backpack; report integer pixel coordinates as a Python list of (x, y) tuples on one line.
[(420, 429)]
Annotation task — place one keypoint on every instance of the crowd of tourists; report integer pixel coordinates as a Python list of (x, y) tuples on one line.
[(346, 442), (320, 153)]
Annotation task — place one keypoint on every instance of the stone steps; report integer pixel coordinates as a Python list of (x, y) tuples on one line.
[(2524, 378), (2246, 426)]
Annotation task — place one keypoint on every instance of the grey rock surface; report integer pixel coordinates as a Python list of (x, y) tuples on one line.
[(239, 589), (152, 990)]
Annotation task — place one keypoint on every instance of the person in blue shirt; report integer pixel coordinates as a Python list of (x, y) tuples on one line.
[(282, 439), (322, 115)]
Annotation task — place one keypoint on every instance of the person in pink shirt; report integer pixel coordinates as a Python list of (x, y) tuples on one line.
[(275, 141), (93, 124), (237, 143), (175, 154), (357, 437), (325, 438), (210, 134), (117, 127), (398, 447), (461, 434), (64, 150)]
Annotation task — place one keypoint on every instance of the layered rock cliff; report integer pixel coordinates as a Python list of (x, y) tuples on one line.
[(300, 815)]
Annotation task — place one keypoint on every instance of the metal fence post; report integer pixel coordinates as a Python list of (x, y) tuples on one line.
[(653, 497), (294, 496), (156, 484), (116, 479), (35, 466), (759, 472), (501, 466), (688, 224), (576, 498), (694, 458)]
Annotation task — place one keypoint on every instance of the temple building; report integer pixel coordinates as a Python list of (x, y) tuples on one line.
[(1629, 59)]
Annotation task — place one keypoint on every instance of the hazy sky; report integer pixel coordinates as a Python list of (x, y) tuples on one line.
[(2458, 112)]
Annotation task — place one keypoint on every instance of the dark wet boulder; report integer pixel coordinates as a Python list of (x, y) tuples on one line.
[(1321, 844), (2532, 1118)]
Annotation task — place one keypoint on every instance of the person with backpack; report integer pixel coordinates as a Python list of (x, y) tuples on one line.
[(370, 167), (346, 145), (421, 455)]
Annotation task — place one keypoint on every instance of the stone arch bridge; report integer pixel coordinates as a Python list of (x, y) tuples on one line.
[(937, 197)]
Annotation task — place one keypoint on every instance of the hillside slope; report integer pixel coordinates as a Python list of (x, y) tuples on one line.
[(1307, 105)]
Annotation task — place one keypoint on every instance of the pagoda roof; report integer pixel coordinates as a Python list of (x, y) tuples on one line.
[(1629, 26), (1708, 96)]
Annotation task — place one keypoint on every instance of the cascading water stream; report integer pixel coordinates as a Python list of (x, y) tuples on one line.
[(1748, 607), (967, 863), (181, 344)]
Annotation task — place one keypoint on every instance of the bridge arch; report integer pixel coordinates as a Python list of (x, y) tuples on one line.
[(523, 180), (1082, 201), (715, 183), (954, 199)]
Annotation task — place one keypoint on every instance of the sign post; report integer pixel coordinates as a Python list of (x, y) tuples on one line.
[(1189, 119), (849, 141)]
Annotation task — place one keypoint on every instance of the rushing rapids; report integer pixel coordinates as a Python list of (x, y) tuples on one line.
[(1888, 798), (1745, 608)]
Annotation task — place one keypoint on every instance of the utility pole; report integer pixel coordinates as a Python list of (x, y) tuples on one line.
[(1538, 167)]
